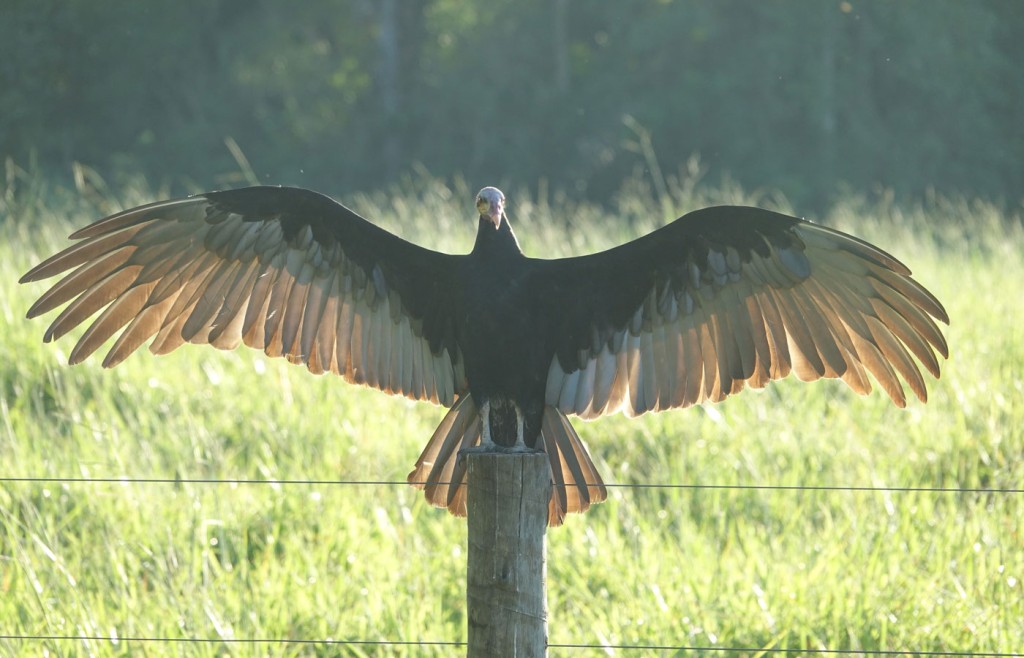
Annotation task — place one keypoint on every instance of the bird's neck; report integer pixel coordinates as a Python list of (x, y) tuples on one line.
[(496, 242)]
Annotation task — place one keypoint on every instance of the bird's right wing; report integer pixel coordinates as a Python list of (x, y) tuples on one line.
[(284, 270), (728, 297)]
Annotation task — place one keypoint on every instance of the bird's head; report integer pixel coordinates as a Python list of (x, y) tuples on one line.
[(490, 203)]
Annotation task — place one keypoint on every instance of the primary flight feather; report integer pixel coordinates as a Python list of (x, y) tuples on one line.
[(720, 299)]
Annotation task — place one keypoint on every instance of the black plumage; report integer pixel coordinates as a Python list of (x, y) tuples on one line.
[(722, 298)]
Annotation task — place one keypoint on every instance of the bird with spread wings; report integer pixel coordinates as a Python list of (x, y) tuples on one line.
[(720, 299)]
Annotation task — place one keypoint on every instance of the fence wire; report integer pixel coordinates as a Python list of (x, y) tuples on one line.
[(405, 483), (124, 480), (554, 645)]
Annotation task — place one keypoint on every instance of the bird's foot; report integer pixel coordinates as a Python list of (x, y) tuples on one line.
[(500, 449), (487, 443)]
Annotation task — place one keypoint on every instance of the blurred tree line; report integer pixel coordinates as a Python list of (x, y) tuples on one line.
[(807, 96)]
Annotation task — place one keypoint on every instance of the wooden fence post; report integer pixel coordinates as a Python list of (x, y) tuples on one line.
[(506, 599)]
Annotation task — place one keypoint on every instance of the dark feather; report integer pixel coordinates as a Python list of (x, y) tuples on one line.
[(255, 262)]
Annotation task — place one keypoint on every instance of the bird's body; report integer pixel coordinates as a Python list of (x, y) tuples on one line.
[(506, 354), (720, 299)]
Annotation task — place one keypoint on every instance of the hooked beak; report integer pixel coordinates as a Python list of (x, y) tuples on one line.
[(494, 212)]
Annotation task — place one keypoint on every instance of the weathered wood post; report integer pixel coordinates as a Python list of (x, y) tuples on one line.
[(506, 599)]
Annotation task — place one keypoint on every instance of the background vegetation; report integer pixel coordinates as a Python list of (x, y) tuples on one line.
[(809, 97), (705, 567)]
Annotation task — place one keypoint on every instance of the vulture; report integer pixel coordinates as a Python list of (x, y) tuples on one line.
[(718, 300)]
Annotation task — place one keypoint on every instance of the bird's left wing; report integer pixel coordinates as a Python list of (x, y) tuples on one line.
[(728, 297), (284, 270)]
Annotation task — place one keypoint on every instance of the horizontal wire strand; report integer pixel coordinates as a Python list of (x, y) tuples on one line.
[(404, 483), (440, 643), (859, 652), (217, 640), (554, 645)]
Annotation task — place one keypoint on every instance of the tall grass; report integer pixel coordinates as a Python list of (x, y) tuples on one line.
[(715, 567)]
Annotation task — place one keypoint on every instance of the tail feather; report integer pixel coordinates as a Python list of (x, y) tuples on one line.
[(575, 480), (455, 471), (558, 506), (441, 472), (435, 470)]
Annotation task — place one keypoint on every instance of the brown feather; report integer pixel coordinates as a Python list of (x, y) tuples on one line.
[(913, 291), (434, 467), (665, 359), (293, 312), (326, 339), (780, 363), (897, 356), (346, 318), (759, 335), (236, 300), (648, 394), (921, 322), (209, 299), (78, 254), (226, 335), (113, 318), (313, 321), (724, 349), (709, 367), (142, 328), (902, 329), (574, 489), (254, 325), (558, 505), (78, 281), (130, 217), (880, 368), (273, 345), (817, 316), (804, 356), (96, 297), (693, 366)]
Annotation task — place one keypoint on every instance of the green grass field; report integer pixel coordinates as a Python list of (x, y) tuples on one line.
[(708, 567)]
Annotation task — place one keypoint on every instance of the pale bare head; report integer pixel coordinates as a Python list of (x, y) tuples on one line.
[(490, 203)]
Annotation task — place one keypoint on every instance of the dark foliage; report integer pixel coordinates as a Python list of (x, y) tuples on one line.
[(808, 96)]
